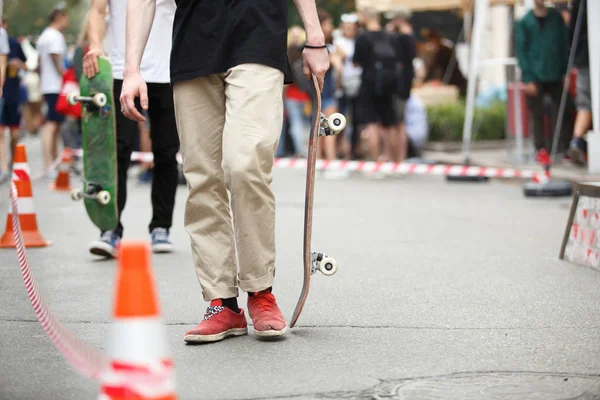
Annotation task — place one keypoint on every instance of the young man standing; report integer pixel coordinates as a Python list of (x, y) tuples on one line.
[(52, 49), (379, 54), (228, 63), (165, 140), (11, 113), (543, 53)]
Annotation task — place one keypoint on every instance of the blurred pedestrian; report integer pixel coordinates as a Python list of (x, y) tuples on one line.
[(350, 82), (4, 50), (543, 51), (11, 104), (51, 47), (328, 144), (378, 54), (296, 99), (583, 121)]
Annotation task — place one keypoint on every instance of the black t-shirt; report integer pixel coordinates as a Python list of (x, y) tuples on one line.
[(363, 51), (364, 55), (212, 36)]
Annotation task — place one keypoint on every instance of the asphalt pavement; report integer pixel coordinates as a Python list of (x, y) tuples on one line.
[(444, 291)]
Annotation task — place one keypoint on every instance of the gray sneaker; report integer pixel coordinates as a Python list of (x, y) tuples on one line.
[(160, 241)]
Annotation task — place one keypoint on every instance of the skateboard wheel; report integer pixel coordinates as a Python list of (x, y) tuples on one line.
[(72, 98), (328, 266), (336, 122), (76, 194), (103, 197), (99, 99)]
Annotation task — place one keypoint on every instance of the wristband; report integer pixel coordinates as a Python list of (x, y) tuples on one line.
[(308, 46)]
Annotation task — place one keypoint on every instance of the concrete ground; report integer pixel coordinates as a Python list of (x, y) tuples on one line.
[(445, 291)]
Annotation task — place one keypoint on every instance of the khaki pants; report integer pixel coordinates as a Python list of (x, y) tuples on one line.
[(229, 126)]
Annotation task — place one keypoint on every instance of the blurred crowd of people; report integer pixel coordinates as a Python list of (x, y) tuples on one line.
[(41, 71), (369, 81), (375, 61)]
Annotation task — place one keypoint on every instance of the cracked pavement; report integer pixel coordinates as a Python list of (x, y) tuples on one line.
[(455, 287)]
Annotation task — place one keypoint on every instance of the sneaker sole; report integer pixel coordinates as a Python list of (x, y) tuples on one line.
[(216, 337), (271, 333), (100, 250), (162, 248)]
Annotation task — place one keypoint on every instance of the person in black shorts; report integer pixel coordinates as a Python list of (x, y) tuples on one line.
[(377, 52)]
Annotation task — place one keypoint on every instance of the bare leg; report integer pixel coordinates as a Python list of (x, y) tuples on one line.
[(371, 137), (400, 143), (583, 123), (3, 151), (50, 143), (14, 140)]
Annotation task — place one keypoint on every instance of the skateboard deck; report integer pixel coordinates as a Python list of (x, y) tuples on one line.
[(99, 145), (314, 262)]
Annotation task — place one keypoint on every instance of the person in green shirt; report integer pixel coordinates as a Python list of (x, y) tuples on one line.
[(543, 51)]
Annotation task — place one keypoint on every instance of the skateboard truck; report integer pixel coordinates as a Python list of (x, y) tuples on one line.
[(332, 125), (99, 99), (93, 191), (322, 263)]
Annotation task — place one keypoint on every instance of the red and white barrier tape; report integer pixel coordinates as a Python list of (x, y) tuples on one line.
[(386, 167), (410, 168), (85, 359)]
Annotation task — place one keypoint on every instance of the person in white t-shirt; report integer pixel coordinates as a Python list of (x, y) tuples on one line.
[(52, 49), (4, 50), (161, 113)]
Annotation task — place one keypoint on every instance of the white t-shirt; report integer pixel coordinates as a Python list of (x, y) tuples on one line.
[(4, 46), (51, 41), (347, 46), (156, 58)]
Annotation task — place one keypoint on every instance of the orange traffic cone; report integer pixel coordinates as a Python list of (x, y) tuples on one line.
[(140, 366), (62, 182), (27, 217)]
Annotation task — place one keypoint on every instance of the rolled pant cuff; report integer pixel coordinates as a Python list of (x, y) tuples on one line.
[(256, 285), (224, 292)]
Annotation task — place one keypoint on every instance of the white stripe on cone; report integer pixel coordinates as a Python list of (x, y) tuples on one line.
[(137, 340), (24, 204), (21, 166)]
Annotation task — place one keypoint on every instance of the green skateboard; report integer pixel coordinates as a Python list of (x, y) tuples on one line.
[(99, 145)]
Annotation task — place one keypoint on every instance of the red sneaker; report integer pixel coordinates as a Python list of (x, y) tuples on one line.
[(265, 314), (218, 323)]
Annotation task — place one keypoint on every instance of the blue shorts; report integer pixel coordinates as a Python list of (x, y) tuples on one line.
[(11, 115), (53, 115)]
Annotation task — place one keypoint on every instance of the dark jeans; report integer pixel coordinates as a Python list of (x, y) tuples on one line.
[(536, 108), (165, 145)]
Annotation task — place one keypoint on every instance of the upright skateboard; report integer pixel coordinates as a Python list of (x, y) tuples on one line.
[(99, 192), (314, 262)]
